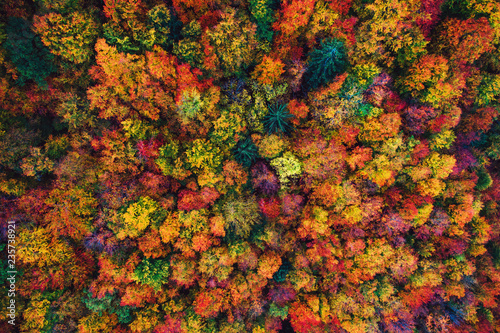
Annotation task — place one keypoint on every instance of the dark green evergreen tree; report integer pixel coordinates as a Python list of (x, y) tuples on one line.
[(32, 59), (109, 303), (325, 63), (461, 9), (280, 275), (277, 120), (263, 16), (245, 152), (484, 179)]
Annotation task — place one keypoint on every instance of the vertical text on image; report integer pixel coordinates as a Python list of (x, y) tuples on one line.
[(11, 272)]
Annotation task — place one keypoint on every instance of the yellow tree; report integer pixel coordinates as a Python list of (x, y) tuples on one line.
[(94, 323), (202, 155), (70, 36), (234, 42), (49, 262), (137, 218), (34, 316), (388, 31), (37, 249)]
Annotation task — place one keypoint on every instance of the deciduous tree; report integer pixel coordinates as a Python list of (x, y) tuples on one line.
[(71, 37)]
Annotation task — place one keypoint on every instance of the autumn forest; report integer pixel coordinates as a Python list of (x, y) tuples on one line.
[(262, 166)]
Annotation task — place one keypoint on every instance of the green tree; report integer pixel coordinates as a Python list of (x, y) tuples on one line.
[(263, 16), (15, 144), (168, 155), (109, 303), (32, 59), (159, 19), (462, 9), (189, 105), (245, 152), (153, 272), (488, 90), (325, 63), (278, 119), (188, 49), (62, 6), (484, 179), (118, 38), (74, 111)]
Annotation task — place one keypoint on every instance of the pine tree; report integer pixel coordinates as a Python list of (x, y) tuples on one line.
[(325, 63), (277, 120)]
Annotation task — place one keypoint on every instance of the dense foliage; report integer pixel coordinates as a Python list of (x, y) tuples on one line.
[(250, 165)]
